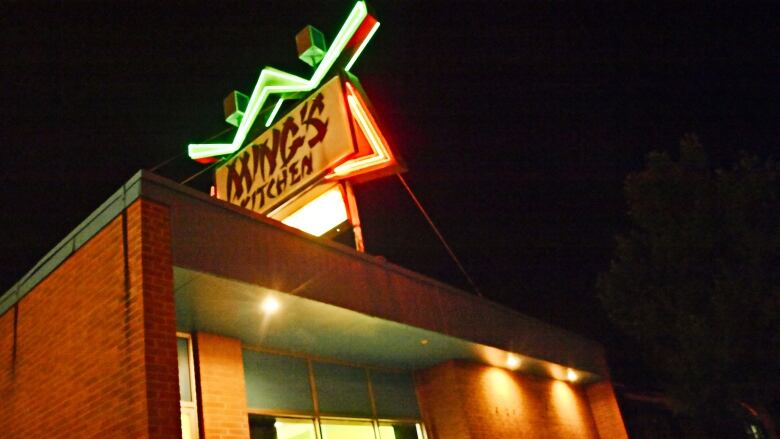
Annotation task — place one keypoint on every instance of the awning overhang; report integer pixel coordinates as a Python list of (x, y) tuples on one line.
[(306, 327), (337, 302)]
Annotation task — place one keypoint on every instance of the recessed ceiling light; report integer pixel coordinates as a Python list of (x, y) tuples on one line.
[(270, 305), (571, 375)]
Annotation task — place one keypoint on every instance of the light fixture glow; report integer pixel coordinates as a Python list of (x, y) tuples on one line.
[(512, 361), (276, 81), (380, 151), (362, 46), (270, 305), (571, 375), (320, 214)]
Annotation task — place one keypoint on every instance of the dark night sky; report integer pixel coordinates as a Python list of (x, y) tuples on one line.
[(518, 121)]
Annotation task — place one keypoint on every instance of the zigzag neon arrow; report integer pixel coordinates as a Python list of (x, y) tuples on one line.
[(380, 151), (273, 81)]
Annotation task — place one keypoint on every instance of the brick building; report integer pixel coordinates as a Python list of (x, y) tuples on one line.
[(168, 313)]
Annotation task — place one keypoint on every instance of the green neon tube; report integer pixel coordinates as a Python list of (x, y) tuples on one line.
[(276, 81), (271, 117), (356, 17)]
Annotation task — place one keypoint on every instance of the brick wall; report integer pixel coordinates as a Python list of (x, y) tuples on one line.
[(442, 404), (461, 399), (91, 350), (605, 410), (219, 368)]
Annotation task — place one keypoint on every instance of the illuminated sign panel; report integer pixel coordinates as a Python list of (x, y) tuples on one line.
[(321, 214), (288, 158)]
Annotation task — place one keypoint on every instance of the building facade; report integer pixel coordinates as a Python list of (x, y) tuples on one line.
[(168, 314)]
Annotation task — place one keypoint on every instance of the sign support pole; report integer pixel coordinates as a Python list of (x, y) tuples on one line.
[(354, 218)]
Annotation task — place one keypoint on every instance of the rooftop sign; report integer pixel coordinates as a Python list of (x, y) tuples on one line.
[(350, 41), (300, 148), (295, 169)]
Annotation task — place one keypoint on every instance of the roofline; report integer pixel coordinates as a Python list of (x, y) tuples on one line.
[(147, 185), (99, 218)]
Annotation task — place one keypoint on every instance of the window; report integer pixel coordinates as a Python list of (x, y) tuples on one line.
[(342, 391), (294, 397), (189, 411), (400, 430), (347, 429), (272, 427), (269, 427), (277, 383)]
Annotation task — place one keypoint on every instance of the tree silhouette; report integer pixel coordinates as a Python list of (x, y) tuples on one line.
[(696, 280)]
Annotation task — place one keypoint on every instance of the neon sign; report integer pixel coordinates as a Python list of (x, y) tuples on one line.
[(294, 170), (296, 152), (379, 155), (273, 81)]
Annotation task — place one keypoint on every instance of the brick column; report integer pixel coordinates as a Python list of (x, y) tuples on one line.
[(605, 410), (221, 389), (151, 275), (90, 351), (441, 402)]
